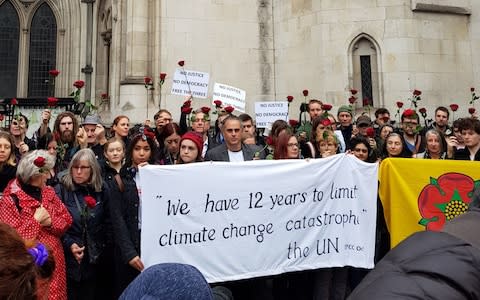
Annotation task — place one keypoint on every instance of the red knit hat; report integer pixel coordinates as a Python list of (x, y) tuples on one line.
[(196, 138)]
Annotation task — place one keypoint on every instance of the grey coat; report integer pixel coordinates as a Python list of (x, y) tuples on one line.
[(220, 153)]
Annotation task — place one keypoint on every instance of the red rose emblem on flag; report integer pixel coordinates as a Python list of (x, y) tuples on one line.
[(444, 199), (79, 84)]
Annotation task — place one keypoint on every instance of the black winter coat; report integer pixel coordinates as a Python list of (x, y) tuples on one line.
[(427, 265), (124, 214), (96, 219)]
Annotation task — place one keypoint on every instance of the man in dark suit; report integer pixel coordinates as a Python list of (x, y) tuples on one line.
[(233, 149)]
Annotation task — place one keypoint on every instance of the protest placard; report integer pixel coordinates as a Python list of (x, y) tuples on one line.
[(187, 82), (241, 220), (229, 95), (268, 112)]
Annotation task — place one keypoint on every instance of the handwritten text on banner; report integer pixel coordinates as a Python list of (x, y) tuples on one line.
[(241, 220)]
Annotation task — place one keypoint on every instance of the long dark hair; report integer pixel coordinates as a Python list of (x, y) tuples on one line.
[(134, 140)]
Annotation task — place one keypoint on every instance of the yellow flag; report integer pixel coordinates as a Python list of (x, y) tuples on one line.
[(423, 194)]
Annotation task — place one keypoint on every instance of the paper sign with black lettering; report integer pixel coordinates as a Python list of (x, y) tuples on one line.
[(268, 112), (186, 82), (247, 219), (229, 95)]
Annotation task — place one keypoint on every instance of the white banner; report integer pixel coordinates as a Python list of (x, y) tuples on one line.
[(186, 82), (229, 95), (242, 220), (268, 112)]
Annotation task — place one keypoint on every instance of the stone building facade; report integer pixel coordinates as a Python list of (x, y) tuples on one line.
[(269, 48)]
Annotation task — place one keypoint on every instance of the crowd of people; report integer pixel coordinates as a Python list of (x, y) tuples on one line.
[(75, 187)]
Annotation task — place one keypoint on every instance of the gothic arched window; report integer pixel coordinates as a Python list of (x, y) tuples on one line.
[(9, 39), (43, 45)]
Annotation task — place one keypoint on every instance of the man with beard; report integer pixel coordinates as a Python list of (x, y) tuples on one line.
[(66, 133), (410, 124)]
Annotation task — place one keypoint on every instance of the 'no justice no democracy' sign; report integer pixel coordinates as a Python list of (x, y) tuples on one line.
[(259, 218)]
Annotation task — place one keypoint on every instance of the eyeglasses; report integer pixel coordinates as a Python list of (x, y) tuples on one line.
[(291, 145), (360, 150)]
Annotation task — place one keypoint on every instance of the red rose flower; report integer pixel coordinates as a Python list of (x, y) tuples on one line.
[(205, 109), (54, 73), (423, 110), (90, 202), (293, 123), (2, 117), (39, 161), (366, 102), (305, 93), (52, 101), (353, 91), (181, 63), (14, 101), (454, 107), (229, 109), (186, 110), (472, 89), (147, 80), (443, 199), (352, 100), (269, 140), (104, 95), (326, 107), (163, 76), (409, 113), (370, 132), (79, 84), (289, 98), (217, 103), (399, 104), (187, 103), (149, 134), (326, 122), (417, 92), (471, 110)]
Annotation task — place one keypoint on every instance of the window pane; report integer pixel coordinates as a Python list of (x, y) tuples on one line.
[(9, 35), (366, 74), (43, 45)]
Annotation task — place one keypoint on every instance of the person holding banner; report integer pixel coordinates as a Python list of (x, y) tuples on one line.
[(287, 147), (125, 209), (191, 146), (395, 146)]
